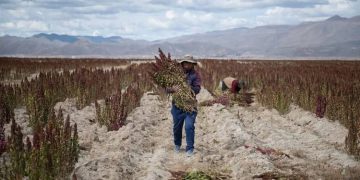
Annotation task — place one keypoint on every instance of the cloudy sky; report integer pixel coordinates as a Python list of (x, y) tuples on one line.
[(157, 19)]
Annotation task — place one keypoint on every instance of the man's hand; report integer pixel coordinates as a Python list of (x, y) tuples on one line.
[(173, 89)]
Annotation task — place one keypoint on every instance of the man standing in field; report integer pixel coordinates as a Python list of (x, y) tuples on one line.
[(179, 116)]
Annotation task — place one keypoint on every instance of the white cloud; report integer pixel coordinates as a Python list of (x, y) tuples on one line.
[(157, 23), (170, 14), (18, 13), (185, 2), (334, 7), (95, 33), (285, 15), (154, 19), (98, 9), (73, 23), (236, 5), (32, 25), (196, 17), (231, 22), (7, 25)]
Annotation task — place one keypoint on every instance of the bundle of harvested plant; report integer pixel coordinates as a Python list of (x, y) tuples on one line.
[(168, 73)]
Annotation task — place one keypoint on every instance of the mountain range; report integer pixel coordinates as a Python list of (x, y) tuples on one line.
[(335, 37)]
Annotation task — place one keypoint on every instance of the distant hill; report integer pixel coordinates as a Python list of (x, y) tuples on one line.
[(335, 37), (72, 39)]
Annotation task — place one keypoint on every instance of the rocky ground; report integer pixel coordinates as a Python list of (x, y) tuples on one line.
[(233, 142)]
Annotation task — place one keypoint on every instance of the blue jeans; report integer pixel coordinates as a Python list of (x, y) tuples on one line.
[(179, 117)]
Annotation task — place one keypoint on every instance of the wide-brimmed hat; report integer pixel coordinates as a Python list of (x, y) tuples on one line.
[(188, 58)]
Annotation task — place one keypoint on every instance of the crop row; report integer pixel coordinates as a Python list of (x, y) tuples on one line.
[(327, 88), (41, 156)]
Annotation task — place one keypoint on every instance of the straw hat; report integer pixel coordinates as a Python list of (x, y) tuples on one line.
[(188, 58)]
